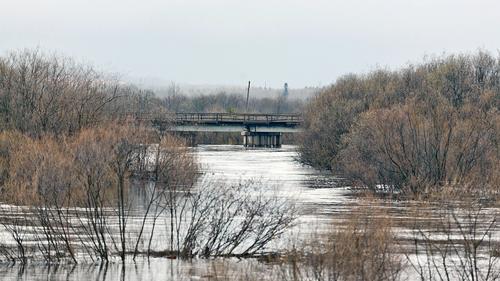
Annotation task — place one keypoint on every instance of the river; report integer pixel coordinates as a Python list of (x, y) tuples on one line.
[(321, 200), (316, 195)]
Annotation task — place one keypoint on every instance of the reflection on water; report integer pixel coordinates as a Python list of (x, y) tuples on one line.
[(276, 168), (152, 269)]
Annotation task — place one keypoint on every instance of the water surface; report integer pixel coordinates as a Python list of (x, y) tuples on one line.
[(317, 195)]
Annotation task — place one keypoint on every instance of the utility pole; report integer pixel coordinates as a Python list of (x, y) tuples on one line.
[(248, 95)]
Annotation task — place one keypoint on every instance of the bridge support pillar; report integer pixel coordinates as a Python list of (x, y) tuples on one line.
[(261, 139)]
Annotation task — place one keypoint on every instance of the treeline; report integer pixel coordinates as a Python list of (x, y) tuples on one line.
[(420, 128), (229, 102), (42, 93)]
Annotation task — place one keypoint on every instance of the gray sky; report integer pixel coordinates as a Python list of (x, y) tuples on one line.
[(305, 43)]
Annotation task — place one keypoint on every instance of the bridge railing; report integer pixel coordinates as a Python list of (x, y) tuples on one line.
[(237, 117), (244, 118)]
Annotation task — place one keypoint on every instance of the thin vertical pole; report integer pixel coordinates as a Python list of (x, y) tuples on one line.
[(248, 95)]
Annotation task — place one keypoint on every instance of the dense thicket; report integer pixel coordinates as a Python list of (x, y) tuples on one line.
[(100, 171), (94, 169), (427, 125), (42, 93)]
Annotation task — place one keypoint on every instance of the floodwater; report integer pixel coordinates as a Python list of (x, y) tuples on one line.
[(322, 201), (318, 196)]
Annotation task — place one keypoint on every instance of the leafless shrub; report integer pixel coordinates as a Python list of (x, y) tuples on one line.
[(416, 148), (363, 248), (222, 220), (91, 170), (460, 245), (173, 172), (18, 228), (104, 162), (40, 177)]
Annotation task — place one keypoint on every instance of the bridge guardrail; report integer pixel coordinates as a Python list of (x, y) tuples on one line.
[(194, 117), (237, 117)]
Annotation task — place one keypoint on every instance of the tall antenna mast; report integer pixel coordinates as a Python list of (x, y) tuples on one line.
[(248, 95)]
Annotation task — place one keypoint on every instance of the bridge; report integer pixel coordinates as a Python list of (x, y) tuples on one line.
[(257, 130)]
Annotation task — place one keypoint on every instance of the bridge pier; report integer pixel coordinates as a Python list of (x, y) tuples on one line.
[(257, 130), (261, 139)]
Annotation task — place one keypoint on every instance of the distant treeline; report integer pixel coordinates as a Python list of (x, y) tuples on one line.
[(256, 91), (424, 127), (224, 102)]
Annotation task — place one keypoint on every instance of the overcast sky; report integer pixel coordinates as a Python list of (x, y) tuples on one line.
[(304, 42)]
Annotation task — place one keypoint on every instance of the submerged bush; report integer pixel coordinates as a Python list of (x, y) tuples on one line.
[(93, 170)]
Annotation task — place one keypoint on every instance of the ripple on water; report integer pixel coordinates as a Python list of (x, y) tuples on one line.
[(310, 189)]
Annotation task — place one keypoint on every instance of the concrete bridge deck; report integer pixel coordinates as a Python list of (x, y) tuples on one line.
[(256, 129)]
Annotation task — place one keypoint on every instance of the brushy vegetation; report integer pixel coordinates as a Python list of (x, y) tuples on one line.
[(363, 248), (422, 127), (77, 191), (49, 179), (74, 148)]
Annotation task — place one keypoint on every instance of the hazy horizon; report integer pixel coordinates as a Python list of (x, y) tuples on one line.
[(304, 43)]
